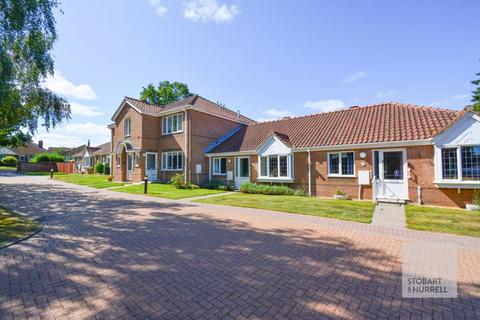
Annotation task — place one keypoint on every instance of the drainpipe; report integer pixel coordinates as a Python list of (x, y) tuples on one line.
[(186, 153), (309, 174), (419, 195), (209, 168)]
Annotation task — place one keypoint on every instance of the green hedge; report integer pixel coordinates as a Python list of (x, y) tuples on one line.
[(249, 187), (218, 185), (47, 157), (106, 169), (99, 167), (9, 161)]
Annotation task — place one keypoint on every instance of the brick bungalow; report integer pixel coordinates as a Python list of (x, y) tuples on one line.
[(161, 141), (23, 153), (390, 151)]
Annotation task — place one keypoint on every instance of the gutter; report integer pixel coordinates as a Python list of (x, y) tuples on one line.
[(309, 174)]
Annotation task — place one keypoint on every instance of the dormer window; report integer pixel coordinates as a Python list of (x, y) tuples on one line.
[(128, 127), (172, 124)]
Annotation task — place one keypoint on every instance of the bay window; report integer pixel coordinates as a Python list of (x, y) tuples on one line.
[(172, 124), (341, 164), (172, 161), (469, 167), (220, 166), (275, 166)]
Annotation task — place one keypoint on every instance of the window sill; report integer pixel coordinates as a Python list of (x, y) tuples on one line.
[(273, 179), (457, 184), (172, 170), (219, 174), (127, 136), (341, 176), (171, 133)]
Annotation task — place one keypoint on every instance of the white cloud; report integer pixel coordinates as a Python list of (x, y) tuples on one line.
[(277, 113), (210, 10), (384, 94), (355, 77), (83, 110), (74, 135), (453, 101), (160, 9), (461, 96), (57, 83), (325, 105)]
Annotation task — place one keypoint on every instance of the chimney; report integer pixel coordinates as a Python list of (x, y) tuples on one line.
[(88, 143), (238, 114), (40, 143)]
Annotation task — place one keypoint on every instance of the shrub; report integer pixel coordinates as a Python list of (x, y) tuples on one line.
[(106, 169), (47, 157), (9, 161), (217, 185), (99, 167), (253, 188), (476, 197), (340, 193), (110, 178), (178, 181)]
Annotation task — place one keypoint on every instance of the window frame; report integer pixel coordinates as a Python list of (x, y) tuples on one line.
[(169, 120), (340, 170), (165, 160), (459, 153), (129, 121), (289, 175), (219, 173)]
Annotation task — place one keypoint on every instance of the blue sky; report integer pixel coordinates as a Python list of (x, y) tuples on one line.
[(267, 58)]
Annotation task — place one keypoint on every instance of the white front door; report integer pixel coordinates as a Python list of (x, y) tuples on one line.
[(151, 166), (242, 171), (390, 174), (129, 166)]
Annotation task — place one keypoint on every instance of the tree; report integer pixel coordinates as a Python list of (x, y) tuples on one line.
[(476, 93), (165, 93), (27, 35)]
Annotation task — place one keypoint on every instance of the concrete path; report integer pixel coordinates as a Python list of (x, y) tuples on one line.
[(390, 215), (104, 254)]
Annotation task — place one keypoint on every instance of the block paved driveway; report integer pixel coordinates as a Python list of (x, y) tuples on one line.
[(103, 254)]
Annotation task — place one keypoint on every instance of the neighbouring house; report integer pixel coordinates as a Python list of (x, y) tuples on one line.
[(83, 157), (103, 154), (392, 152), (23, 153), (160, 141), (387, 152), (59, 150)]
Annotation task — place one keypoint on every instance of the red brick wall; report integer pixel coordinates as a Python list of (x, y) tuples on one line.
[(421, 173)]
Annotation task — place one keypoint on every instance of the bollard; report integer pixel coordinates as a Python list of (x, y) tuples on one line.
[(51, 173), (145, 188)]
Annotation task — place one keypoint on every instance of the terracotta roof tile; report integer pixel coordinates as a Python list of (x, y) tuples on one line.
[(377, 123), (197, 102)]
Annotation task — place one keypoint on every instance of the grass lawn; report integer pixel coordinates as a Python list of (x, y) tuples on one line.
[(360, 211), (90, 180), (445, 220), (167, 191), (14, 227), (8, 168)]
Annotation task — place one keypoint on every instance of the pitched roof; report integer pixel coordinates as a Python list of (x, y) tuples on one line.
[(385, 122), (28, 148), (102, 149), (56, 149), (197, 102)]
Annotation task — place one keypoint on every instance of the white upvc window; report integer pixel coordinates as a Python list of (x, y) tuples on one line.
[(219, 166), (276, 166), (127, 127), (172, 124), (460, 163), (341, 164), (172, 161)]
